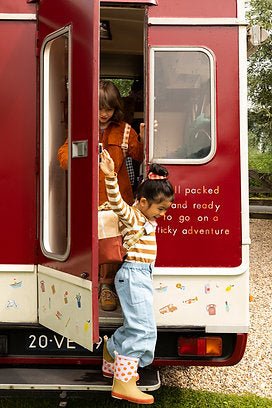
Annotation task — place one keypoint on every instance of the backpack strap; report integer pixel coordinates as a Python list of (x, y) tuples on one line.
[(124, 145)]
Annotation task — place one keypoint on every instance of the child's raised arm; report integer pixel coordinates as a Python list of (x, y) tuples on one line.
[(119, 206)]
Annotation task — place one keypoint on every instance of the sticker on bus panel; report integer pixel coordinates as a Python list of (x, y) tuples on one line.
[(65, 305)]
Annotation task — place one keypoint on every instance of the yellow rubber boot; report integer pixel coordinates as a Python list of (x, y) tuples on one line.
[(124, 383), (108, 361)]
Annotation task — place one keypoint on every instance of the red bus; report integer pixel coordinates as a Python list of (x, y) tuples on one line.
[(190, 58)]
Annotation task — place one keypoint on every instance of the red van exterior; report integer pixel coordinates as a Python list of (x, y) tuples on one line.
[(192, 58)]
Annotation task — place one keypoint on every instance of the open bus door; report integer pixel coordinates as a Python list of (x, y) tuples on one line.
[(67, 264)]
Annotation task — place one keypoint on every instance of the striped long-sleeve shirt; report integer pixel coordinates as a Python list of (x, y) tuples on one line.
[(132, 221)]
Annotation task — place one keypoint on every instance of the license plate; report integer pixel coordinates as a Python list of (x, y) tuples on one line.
[(40, 341), (50, 342)]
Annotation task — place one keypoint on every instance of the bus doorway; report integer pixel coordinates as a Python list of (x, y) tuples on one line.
[(122, 34)]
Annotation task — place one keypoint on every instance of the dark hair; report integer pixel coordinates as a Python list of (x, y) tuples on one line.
[(110, 98), (156, 191)]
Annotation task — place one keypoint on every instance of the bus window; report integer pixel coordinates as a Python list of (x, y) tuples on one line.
[(182, 105), (55, 124)]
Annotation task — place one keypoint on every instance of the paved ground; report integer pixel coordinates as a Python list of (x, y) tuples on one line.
[(254, 372)]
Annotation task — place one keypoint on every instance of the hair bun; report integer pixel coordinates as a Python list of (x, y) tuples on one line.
[(156, 168), (156, 187)]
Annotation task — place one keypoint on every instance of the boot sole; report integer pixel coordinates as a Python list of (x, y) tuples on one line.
[(135, 400)]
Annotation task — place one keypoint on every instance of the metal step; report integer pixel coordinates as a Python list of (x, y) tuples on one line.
[(67, 379)]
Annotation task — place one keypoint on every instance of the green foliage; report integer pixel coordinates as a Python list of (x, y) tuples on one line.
[(261, 162), (165, 397), (124, 85), (260, 78), (260, 12)]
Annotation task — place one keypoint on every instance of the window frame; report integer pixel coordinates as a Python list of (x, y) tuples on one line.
[(190, 161), (44, 112)]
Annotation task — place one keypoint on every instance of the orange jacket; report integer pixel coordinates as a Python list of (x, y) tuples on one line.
[(112, 138), (63, 155)]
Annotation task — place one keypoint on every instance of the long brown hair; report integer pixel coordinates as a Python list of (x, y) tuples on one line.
[(110, 98)]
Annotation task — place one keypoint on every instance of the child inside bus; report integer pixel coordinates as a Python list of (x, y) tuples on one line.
[(111, 130), (134, 342)]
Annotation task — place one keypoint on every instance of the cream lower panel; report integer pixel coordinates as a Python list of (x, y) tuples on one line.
[(65, 305), (18, 294), (209, 301)]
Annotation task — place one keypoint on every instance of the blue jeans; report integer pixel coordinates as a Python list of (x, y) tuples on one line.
[(138, 335)]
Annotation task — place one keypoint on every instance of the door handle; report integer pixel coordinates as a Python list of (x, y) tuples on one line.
[(80, 149)]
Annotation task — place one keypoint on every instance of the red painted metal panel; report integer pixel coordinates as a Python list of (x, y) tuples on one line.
[(234, 358), (188, 8), (152, 2), (83, 16), (16, 6), (18, 142), (216, 242)]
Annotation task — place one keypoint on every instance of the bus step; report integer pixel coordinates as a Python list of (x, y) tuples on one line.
[(67, 379)]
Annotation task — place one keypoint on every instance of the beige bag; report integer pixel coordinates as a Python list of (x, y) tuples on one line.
[(110, 240)]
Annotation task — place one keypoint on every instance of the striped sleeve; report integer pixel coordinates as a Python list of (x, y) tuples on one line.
[(125, 213)]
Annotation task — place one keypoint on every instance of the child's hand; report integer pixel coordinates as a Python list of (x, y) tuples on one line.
[(106, 164), (142, 131)]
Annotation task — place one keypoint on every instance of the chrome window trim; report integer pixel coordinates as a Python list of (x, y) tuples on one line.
[(65, 31), (191, 21), (211, 57), (18, 16)]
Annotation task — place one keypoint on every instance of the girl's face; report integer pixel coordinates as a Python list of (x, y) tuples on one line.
[(155, 210), (105, 116)]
